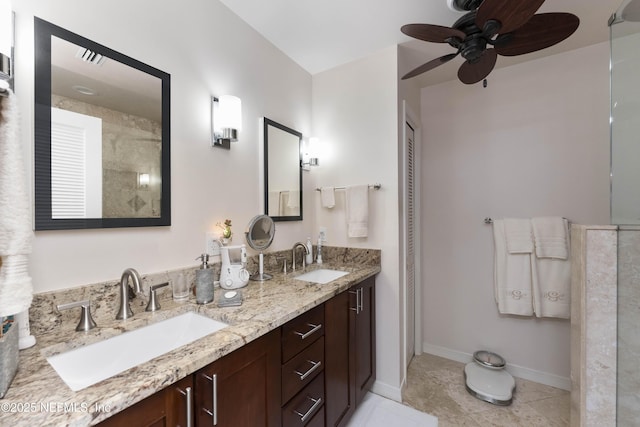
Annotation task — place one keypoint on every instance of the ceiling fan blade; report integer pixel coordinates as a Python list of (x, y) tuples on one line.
[(431, 33), (429, 65), (473, 72), (542, 31), (512, 14)]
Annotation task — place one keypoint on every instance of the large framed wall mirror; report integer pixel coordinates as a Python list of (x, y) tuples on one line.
[(102, 136), (282, 172)]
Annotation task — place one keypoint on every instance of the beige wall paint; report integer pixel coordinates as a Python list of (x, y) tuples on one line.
[(355, 116), (534, 142), (208, 51)]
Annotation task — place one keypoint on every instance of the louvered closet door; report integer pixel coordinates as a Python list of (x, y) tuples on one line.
[(410, 242)]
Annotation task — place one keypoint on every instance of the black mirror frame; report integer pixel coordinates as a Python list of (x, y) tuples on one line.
[(42, 150), (266, 123)]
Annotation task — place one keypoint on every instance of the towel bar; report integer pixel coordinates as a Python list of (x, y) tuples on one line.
[(374, 186), (489, 220)]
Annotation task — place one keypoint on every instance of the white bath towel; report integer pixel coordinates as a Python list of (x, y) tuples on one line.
[(512, 276), (294, 199), (15, 215), (551, 236), (328, 197), (357, 210), (551, 267), (519, 236), (551, 287)]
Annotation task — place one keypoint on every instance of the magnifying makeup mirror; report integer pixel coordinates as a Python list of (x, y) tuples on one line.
[(259, 235)]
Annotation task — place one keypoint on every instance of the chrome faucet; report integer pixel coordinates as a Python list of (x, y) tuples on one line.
[(293, 255), (124, 312)]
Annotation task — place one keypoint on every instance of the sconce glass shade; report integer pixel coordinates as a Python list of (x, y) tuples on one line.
[(143, 180), (6, 37), (226, 120), (310, 153)]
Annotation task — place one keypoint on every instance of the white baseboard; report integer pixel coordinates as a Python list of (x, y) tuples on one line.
[(385, 390), (545, 378)]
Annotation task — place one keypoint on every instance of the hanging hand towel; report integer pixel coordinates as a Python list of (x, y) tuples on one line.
[(512, 276), (551, 268), (551, 236), (328, 197), (294, 199), (15, 215), (518, 235), (357, 210)]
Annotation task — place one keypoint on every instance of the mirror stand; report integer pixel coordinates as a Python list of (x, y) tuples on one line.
[(260, 275), (259, 235)]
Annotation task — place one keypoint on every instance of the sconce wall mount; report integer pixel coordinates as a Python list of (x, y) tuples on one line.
[(6, 46), (226, 120)]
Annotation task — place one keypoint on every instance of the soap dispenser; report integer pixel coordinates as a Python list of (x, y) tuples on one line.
[(309, 256), (204, 281)]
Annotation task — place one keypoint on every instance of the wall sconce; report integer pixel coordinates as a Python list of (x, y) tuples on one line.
[(309, 155), (143, 180), (226, 120), (6, 46)]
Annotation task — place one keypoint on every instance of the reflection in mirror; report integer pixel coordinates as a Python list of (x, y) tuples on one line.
[(260, 233), (102, 136), (283, 174)]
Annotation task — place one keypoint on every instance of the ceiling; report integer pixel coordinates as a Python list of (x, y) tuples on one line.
[(322, 34)]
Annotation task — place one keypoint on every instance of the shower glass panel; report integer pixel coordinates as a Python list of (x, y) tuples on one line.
[(625, 200)]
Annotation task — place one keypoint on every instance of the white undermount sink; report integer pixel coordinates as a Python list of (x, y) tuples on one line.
[(88, 365), (322, 276)]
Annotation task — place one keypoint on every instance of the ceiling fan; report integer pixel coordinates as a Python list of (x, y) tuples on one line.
[(491, 28)]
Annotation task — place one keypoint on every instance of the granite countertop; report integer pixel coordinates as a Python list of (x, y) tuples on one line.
[(38, 396)]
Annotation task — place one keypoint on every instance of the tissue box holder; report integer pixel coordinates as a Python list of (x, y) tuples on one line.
[(8, 358)]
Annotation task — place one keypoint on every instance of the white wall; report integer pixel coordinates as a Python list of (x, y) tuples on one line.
[(355, 117), (208, 51), (534, 142)]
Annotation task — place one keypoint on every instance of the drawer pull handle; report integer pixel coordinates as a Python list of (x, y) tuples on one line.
[(359, 300), (214, 404), (188, 393), (313, 368), (316, 403), (315, 328)]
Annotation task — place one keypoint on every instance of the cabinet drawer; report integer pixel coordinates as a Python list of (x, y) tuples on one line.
[(301, 332), (306, 406), (301, 369)]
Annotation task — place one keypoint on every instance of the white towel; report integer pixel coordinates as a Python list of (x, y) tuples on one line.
[(294, 199), (15, 215), (518, 235), (328, 197), (512, 276), (551, 236), (357, 210), (551, 267)]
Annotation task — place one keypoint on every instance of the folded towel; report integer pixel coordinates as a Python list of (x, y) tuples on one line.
[(294, 199), (551, 237), (357, 210), (327, 197), (512, 276), (551, 287), (518, 235), (15, 215)]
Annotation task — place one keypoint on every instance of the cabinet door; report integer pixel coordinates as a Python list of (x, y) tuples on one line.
[(365, 337), (166, 408), (339, 367), (243, 388), (179, 401)]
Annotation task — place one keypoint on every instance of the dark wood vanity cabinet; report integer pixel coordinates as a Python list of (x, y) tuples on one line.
[(312, 372), (349, 350), (242, 388), (171, 406)]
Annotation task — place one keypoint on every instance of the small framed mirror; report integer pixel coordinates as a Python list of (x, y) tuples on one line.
[(282, 172), (102, 136)]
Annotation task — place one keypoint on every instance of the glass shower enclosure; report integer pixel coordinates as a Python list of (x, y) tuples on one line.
[(625, 200)]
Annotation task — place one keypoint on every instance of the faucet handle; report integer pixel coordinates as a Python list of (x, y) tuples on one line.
[(154, 305), (86, 321)]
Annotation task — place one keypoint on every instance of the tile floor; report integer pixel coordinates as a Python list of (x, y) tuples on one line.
[(377, 411), (436, 386)]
